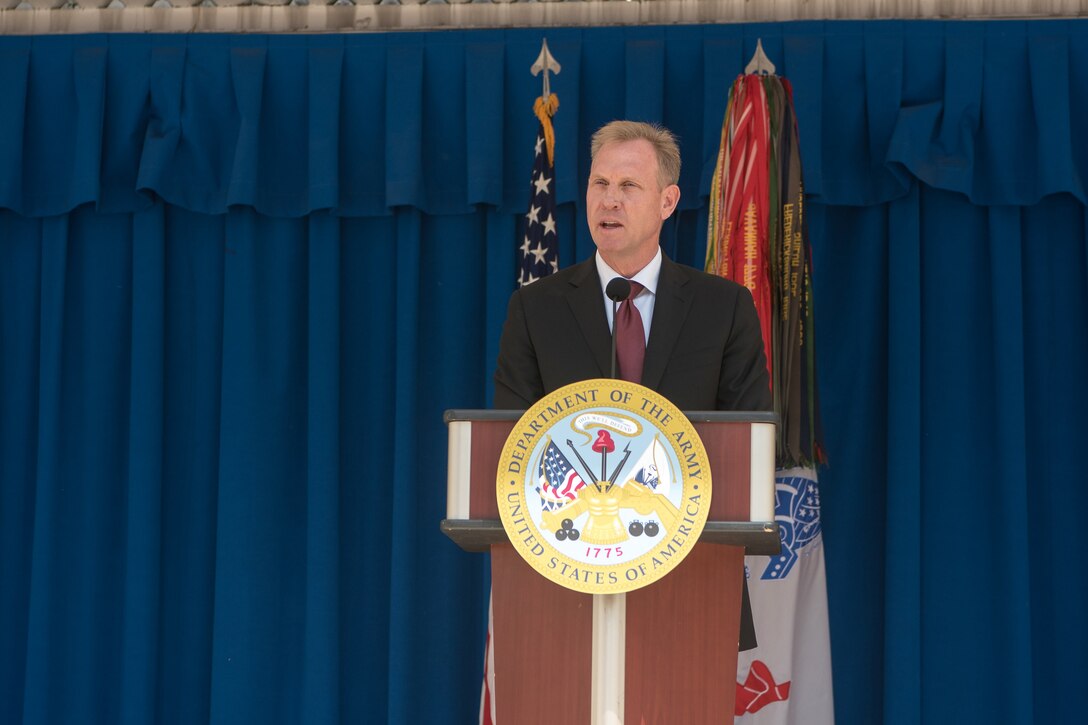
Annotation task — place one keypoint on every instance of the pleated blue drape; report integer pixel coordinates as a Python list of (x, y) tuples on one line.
[(241, 277)]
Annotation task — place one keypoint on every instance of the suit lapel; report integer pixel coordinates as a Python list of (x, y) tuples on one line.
[(587, 305), (674, 297)]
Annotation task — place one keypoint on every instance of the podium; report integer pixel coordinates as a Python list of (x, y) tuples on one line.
[(665, 653)]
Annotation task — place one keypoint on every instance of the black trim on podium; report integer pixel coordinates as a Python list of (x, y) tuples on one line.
[(757, 538)]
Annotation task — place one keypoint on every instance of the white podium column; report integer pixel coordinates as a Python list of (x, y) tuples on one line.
[(609, 645)]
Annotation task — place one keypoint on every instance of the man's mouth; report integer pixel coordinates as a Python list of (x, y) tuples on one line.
[(611, 225)]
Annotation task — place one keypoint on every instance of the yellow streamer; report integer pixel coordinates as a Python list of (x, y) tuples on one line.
[(544, 110)]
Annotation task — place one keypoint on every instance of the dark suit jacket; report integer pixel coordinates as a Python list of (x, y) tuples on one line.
[(705, 350)]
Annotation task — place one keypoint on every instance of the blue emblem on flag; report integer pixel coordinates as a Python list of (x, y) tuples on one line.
[(648, 477), (797, 511)]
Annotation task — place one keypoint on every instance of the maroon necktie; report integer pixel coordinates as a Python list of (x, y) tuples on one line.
[(630, 338)]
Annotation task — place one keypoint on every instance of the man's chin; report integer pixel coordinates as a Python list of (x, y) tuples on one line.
[(609, 240)]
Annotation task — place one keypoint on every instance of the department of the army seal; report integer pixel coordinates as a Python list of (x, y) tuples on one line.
[(603, 486)]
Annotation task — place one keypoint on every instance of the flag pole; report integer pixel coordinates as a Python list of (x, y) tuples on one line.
[(757, 195), (538, 250)]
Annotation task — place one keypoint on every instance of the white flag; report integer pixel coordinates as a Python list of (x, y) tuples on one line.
[(786, 679)]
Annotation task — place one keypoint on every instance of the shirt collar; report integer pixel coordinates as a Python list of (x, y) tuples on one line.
[(647, 276)]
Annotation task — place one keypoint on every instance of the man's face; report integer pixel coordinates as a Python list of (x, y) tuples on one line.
[(625, 204)]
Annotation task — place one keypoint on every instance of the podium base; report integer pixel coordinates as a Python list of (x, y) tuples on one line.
[(679, 652)]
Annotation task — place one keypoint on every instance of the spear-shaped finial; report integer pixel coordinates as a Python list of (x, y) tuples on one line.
[(545, 62), (760, 63)]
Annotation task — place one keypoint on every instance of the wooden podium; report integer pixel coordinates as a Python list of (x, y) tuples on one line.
[(673, 655)]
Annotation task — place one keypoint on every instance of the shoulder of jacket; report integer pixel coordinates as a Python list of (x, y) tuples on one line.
[(710, 283)]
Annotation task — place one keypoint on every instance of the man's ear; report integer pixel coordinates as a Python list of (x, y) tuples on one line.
[(670, 197)]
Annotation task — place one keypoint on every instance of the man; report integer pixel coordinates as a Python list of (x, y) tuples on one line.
[(703, 350)]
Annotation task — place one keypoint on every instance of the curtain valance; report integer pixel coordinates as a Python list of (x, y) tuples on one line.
[(442, 122)]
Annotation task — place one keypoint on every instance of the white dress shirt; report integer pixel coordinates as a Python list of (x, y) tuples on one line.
[(644, 303)]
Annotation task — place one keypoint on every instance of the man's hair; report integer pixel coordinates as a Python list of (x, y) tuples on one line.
[(661, 138)]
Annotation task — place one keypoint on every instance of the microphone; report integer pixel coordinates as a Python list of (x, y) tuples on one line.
[(618, 289)]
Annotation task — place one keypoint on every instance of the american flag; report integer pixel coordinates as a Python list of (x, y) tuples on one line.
[(559, 482), (538, 255)]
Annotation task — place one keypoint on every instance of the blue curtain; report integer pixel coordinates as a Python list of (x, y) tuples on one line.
[(241, 277)]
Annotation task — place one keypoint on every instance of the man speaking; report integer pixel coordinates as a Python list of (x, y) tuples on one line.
[(690, 336)]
